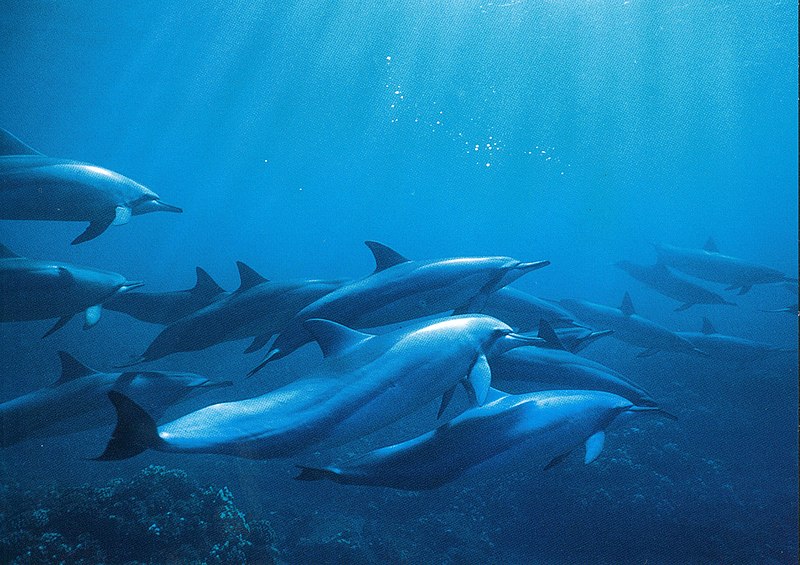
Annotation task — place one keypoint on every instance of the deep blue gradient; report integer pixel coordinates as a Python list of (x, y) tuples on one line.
[(577, 132)]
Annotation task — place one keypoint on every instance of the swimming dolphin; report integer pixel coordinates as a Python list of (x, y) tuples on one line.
[(36, 187), (660, 278), (256, 309), (400, 290), (730, 349), (364, 383), (630, 327), (711, 265), (167, 307), (522, 311), (78, 400), (540, 425), (36, 289)]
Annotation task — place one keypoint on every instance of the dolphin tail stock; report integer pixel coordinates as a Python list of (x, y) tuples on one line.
[(134, 433), (316, 474), (95, 228)]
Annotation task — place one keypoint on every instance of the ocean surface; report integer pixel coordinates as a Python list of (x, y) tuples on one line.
[(291, 132)]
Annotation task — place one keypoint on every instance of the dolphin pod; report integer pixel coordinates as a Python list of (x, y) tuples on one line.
[(78, 400), (36, 289), (546, 425), (365, 382), (711, 265), (400, 290), (36, 187), (630, 327)]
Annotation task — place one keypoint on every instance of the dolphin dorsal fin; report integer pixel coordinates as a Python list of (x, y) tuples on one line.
[(205, 284), (711, 246), (385, 257), (11, 145), (627, 305), (549, 335), (708, 327), (248, 277), (71, 369), (6, 253), (334, 338)]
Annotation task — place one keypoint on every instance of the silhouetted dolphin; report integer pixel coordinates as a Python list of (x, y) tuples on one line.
[(400, 290), (78, 400), (36, 187), (167, 307), (35, 289), (630, 327), (730, 349), (660, 278), (364, 383), (258, 308), (540, 426), (711, 265), (522, 311)]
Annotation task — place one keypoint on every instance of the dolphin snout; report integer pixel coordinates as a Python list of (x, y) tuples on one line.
[(155, 206), (130, 285), (215, 384), (527, 267), (513, 340)]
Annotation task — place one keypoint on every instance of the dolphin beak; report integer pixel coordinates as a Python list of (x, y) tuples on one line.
[(130, 285), (528, 267), (514, 340), (701, 353), (215, 384), (154, 206)]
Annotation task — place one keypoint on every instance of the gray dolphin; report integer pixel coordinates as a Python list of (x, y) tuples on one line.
[(258, 309), (730, 349), (36, 289), (660, 278), (78, 400), (540, 425), (364, 383), (711, 265), (167, 307), (629, 327), (400, 290), (522, 311), (36, 187)]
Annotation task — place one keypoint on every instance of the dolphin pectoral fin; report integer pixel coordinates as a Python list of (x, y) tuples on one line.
[(594, 445), (258, 343), (92, 316), (446, 398), (478, 381), (648, 352), (745, 289), (684, 306), (135, 432), (95, 228), (122, 215), (58, 325), (556, 460)]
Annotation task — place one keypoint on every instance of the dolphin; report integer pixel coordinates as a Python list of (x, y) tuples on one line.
[(515, 428), (629, 327), (730, 349), (400, 290), (711, 265), (258, 308), (555, 367), (167, 307), (522, 311), (35, 289), (365, 382), (660, 278), (78, 400), (36, 187)]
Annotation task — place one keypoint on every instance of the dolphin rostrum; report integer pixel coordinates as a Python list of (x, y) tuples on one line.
[(660, 278), (711, 265), (365, 382), (36, 187), (35, 289), (629, 327), (400, 290), (544, 426), (78, 400), (167, 307)]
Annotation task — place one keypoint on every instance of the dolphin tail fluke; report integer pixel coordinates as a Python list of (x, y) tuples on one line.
[(58, 325), (135, 432), (315, 474), (94, 229)]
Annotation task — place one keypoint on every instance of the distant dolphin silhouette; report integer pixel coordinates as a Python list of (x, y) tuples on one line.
[(36, 289), (36, 187)]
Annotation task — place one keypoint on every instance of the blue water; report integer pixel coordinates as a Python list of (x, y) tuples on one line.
[(577, 132)]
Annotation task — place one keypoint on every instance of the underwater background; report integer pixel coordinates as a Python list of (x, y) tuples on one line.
[(577, 132)]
